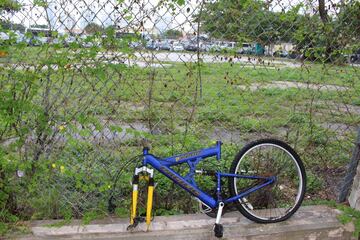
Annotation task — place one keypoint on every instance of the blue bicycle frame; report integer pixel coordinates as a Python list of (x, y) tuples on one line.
[(188, 183)]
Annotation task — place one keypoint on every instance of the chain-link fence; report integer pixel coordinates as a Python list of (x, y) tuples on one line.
[(85, 84)]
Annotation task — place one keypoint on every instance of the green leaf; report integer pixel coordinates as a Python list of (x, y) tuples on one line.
[(41, 3), (115, 128)]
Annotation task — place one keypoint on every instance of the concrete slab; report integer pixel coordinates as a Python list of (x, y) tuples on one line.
[(310, 222)]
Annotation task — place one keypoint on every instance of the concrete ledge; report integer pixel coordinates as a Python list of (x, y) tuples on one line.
[(311, 222)]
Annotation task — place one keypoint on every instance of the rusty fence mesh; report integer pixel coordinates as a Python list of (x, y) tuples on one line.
[(85, 84)]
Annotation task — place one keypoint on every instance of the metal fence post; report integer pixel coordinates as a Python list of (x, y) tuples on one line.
[(352, 167)]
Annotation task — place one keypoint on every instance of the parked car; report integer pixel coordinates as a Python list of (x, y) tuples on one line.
[(38, 41), (227, 46), (355, 57), (69, 40), (251, 49), (11, 37), (246, 48), (20, 37), (294, 55), (205, 47), (177, 47), (191, 47), (150, 45), (4, 38), (87, 41), (163, 46), (24, 39), (214, 48), (281, 53), (135, 45)]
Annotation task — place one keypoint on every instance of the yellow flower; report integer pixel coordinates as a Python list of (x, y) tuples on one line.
[(3, 54), (61, 127), (62, 168), (53, 165), (109, 186)]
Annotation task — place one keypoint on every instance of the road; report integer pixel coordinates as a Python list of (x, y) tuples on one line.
[(157, 59)]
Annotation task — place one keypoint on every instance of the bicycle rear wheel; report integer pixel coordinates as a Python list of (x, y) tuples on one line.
[(279, 200)]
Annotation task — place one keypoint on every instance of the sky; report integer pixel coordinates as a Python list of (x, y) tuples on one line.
[(76, 14)]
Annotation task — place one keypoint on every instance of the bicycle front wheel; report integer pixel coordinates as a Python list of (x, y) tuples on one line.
[(279, 200)]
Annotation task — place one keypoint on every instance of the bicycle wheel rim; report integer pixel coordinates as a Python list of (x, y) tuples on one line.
[(245, 202)]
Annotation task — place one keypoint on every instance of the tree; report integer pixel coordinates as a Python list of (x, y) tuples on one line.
[(111, 28), (218, 14), (93, 28), (325, 37), (349, 21), (247, 20), (9, 5), (320, 36), (12, 26), (172, 33)]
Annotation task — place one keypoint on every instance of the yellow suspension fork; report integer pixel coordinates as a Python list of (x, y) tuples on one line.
[(149, 201), (146, 174), (134, 201)]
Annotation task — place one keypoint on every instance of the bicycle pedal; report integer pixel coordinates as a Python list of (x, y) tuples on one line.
[(131, 227), (137, 220), (218, 230)]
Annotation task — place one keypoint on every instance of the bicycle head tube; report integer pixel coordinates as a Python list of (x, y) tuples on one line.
[(146, 150), (218, 147)]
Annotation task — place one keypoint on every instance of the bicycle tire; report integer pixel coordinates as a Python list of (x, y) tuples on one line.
[(245, 206)]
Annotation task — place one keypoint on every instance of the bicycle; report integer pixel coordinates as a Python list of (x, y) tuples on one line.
[(273, 168)]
